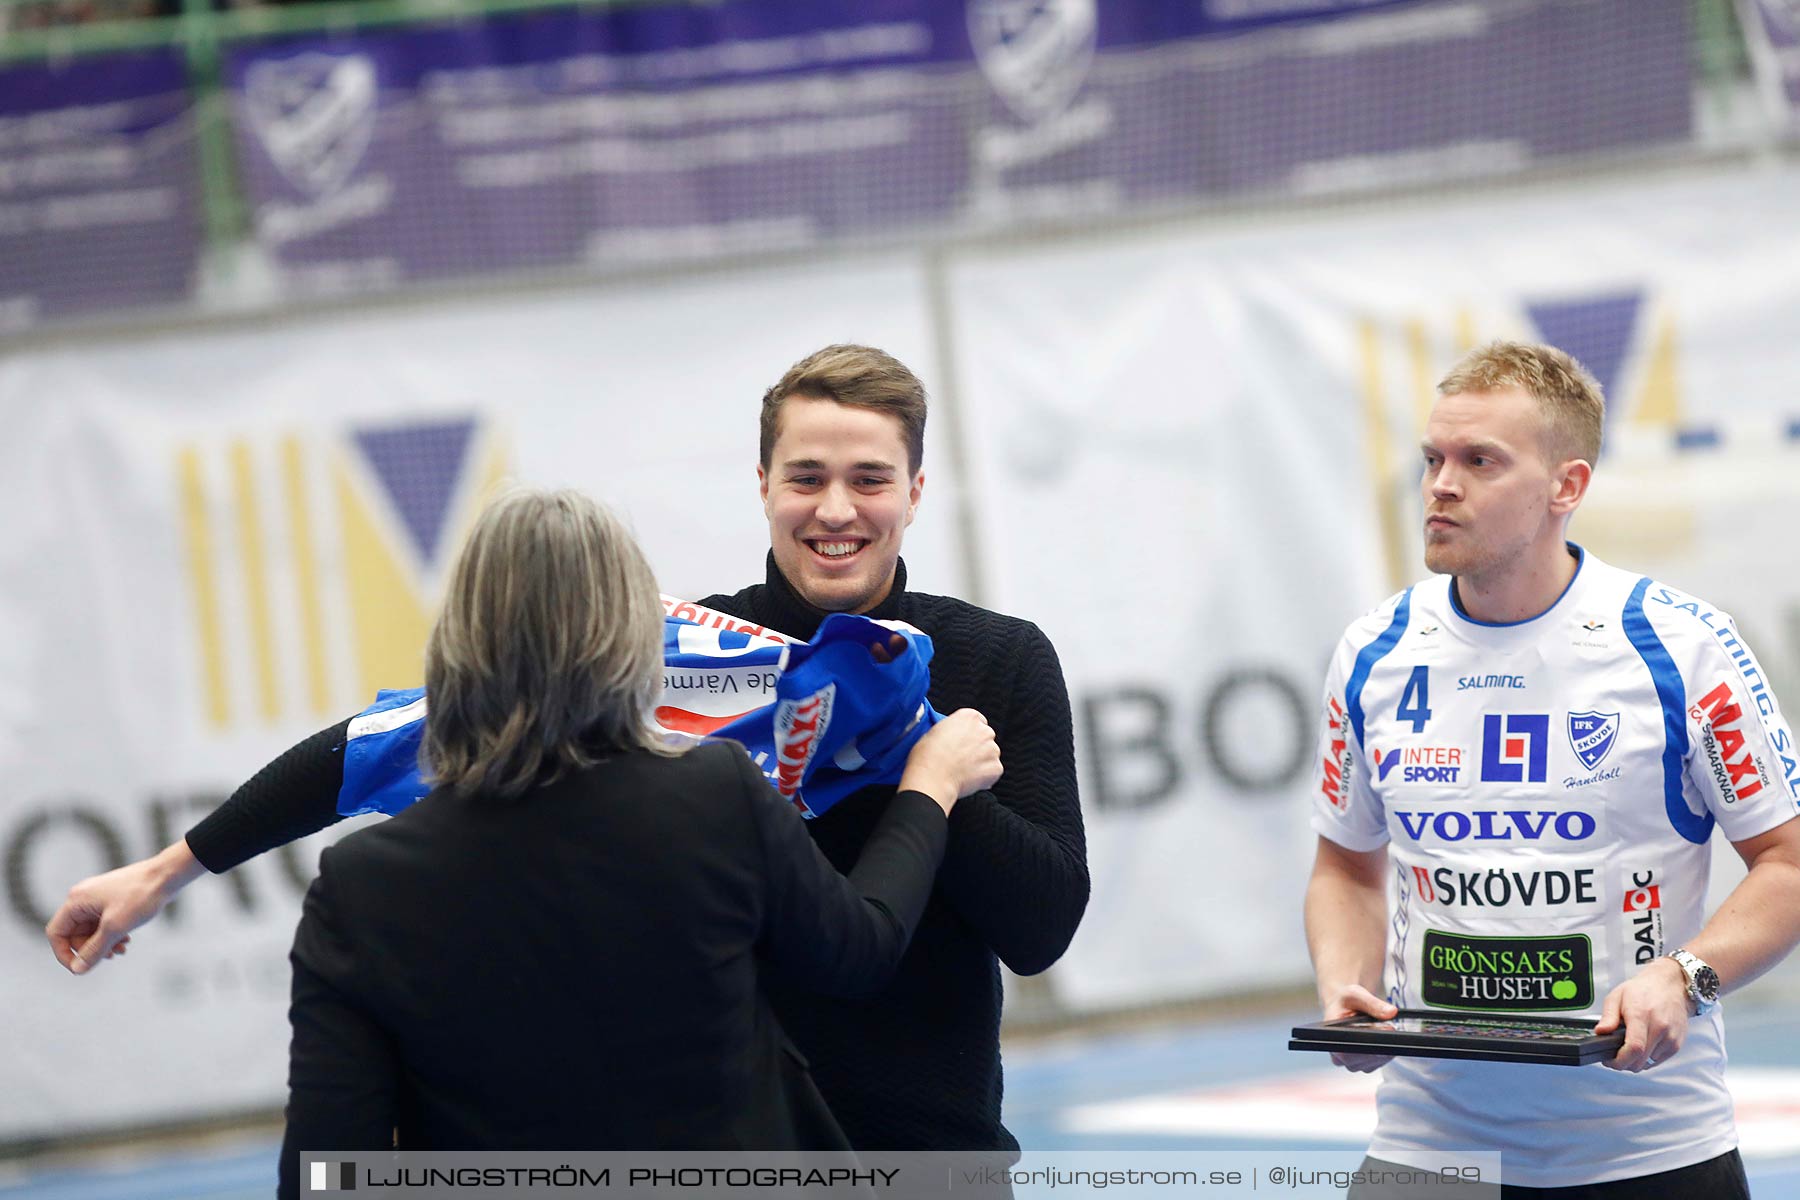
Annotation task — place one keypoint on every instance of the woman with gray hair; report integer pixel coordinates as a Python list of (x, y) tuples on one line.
[(559, 947)]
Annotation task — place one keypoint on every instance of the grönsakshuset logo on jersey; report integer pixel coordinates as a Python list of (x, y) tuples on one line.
[(1507, 974), (314, 115), (799, 728)]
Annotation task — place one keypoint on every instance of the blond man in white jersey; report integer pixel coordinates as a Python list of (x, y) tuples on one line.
[(1532, 750)]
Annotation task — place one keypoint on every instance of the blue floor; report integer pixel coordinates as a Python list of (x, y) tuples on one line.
[(1126, 1082)]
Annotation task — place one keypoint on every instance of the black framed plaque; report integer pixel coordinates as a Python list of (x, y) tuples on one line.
[(1491, 1037)]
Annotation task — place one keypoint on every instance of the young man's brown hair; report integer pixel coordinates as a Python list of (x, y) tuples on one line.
[(860, 376)]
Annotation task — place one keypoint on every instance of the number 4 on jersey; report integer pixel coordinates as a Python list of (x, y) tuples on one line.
[(1415, 701)]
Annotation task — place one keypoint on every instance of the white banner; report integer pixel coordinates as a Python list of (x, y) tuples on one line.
[(216, 543), (1197, 462)]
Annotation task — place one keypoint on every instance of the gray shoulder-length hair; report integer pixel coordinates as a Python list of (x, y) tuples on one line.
[(547, 655)]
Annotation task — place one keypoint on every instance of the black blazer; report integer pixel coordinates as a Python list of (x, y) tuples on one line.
[(578, 969)]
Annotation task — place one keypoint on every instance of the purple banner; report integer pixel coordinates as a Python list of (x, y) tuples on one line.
[(99, 190), (602, 139), (1774, 34)]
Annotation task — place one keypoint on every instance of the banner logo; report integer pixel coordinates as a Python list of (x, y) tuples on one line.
[(1782, 15), (314, 114), (1515, 748), (314, 564), (1591, 736), (1035, 53)]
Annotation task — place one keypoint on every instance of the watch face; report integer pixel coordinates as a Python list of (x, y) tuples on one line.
[(1706, 982)]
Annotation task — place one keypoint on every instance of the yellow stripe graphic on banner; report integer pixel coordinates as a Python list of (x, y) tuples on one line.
[(1659, 403), (1387, 505), (492, 480), (1424, 379), (306, 575), (205, 588), (256, 579), (1465, 330), (388, 621)]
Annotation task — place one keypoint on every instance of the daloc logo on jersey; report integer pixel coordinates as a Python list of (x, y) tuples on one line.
[(1515, 748), (1591, 736)]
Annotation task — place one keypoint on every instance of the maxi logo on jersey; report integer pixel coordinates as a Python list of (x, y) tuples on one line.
[(1780, 739), (1336, 781), (1591, 736), (1423, 764), (1515, 748), (1738, 772)]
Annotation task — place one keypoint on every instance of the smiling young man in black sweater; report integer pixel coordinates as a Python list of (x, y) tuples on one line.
[(916, 1067)]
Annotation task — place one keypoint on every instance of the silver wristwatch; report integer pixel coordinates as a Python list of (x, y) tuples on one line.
[(1702, 982)]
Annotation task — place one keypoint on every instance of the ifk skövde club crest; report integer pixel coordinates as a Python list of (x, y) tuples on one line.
[(1591, 736), (1035, 53), (314, 114)]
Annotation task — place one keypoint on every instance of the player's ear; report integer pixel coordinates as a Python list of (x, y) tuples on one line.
[(1572, 479)]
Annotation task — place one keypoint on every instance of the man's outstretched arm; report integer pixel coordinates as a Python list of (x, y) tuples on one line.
[(292, 796)]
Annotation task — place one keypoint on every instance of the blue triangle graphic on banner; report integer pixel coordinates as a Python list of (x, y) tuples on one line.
[(1596, 330), (419, 465)]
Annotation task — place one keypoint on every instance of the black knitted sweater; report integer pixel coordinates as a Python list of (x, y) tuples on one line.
[(918, 1066)]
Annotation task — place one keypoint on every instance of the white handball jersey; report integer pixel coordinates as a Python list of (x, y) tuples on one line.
[(1546, 790)]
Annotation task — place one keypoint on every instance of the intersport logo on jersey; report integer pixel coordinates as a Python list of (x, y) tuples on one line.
[(1423, 764)]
